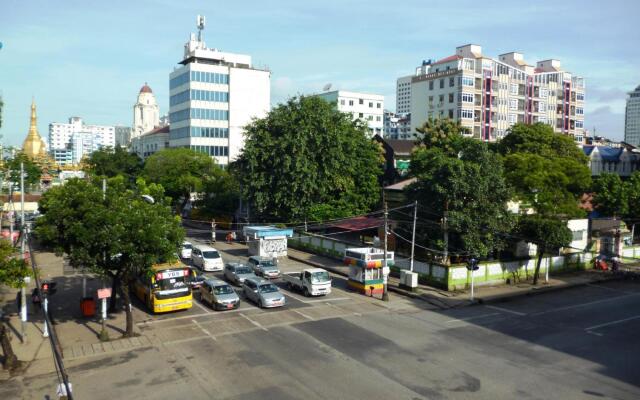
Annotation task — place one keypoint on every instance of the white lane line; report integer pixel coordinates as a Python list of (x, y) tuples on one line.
[(304, 315), (197, 302), (608, 288), (153, 321), (471, 318), (256, 323), (507, 310), (620, 321), (586, 304), (186, 340), (594, 333), (204, 330)]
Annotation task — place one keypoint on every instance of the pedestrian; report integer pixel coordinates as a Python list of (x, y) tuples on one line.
[(228, 238), (19, 302), (36, 299), (213, 231)]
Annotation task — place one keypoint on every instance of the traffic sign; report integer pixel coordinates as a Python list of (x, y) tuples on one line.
[(472, 265), (104, 293)]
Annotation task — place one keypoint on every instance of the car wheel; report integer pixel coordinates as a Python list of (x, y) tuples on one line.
[(289, 286), (260, 304), (306, 292)]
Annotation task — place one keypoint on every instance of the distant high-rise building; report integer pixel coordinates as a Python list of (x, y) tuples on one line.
[(364, 106), (213, 96), (489, 95), (70, 142), (397, 126), (146, 114), (632, 118), (122, 135), (403, 95)]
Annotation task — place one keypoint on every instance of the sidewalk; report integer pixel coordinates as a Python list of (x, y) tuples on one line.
[(483, 294), (78, 335)]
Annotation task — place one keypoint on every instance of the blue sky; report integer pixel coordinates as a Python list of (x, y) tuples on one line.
[(90, 58)]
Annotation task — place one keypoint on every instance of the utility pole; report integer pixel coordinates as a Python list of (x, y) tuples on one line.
[(413, 237), (23, 289), (104, 335), (445, 253), (385, 269)]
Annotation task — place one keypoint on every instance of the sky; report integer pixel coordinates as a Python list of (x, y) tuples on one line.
[(90, 58)]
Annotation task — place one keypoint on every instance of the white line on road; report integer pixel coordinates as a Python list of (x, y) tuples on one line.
[(585, 304), (304, 315), (153, 321), (591, 328), (256, 323), (204, 330), (507, 310), (470, 318), (197, 302), (608, 288)]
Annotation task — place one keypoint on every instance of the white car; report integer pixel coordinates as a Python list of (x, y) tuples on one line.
[(185, 251), (207, 258)]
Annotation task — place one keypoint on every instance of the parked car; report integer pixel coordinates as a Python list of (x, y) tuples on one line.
[(219, 294), (311, 281), (263, 266), (263, 293), (185, 251), (207, 258), (196, 279), (237, 273)]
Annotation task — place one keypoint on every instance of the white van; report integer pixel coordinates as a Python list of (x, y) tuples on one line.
[(207, 258)]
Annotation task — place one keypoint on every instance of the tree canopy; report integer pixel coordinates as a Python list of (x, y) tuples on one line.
[(465, 182), (441, 133), (305, 159), (611, 195), (117, 234), (181, 172), (111, 162), (32, 171)]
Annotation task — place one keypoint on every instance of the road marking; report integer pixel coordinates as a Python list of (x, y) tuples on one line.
[(153, 321), (608, 288), (591, 328), (204, 330), (197, 302), (586, 304), (256, 323), (507, 310), (304, 315), (470, 318), (595, 333), (186, 340)]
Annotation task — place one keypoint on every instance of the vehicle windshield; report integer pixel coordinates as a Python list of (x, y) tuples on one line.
[(171, 284), (267, 264), (268, 288), (243, 270), (222, 289), (320, 277), (187, 246), (210, 254)]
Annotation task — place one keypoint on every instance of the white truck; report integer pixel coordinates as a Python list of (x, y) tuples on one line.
[(311, 281)]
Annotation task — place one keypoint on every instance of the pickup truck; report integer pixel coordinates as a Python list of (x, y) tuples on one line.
[(311, 282)]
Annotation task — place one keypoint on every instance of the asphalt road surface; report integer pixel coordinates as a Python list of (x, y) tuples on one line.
[(578, 343)]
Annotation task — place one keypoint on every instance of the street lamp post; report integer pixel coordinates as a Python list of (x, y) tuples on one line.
[(385, 269)]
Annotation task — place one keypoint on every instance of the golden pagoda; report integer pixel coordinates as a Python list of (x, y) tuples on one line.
[(33, 145)]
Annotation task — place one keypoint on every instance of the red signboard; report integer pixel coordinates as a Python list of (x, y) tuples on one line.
[(104, 293)]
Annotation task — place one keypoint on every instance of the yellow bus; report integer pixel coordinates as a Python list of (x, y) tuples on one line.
[(166, 289)]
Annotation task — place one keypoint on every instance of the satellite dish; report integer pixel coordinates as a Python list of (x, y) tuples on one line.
[(326, 87)]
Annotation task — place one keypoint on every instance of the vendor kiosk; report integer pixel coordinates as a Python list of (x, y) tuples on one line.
[(267, 241), (366, 272)]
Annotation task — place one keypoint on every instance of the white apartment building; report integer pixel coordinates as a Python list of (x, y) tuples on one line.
[(632, 118), (403, 95), (70, 142), (214, 95), (490, 95), (364, 106), (397, 126)]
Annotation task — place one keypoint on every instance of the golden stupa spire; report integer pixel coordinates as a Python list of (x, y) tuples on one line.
[(33, 145)]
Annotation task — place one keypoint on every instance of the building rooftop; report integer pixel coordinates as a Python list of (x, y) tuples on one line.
[(447, 59), (145, 89)]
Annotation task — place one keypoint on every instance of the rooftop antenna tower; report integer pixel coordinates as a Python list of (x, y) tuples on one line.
[(200, 24)]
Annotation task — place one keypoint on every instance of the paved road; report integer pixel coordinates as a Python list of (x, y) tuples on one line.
[(579, 343)]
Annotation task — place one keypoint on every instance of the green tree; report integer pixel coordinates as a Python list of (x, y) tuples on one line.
[(117, 234), (633, 196), (306, 159), (547, 233), (610, 196), (547, 170), (441, 133), (465, 184), (181, 172), (110, 162), (32, 171), (13, 270), (221, 193)]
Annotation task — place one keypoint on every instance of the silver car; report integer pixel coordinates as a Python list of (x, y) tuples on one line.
[(237, 273), (220, 295), (265, 267), (262, 292)]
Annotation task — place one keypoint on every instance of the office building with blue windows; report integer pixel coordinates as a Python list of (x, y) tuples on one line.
[(213, 96)]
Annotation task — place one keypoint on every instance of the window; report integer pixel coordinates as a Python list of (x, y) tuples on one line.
[(578, 235), (360, 115), (441, 83), (467, 98), (580, 96), (513, 104), (350, 102), (430, 85), (579, 111), (512, 118), (341, 102), (544, 93), (379, 105), (450, 97), (430, 99), (451, 113), (466, 114), (361, 101), (542, 106), (514, 88), (378, 118), (440, 99), (579, 124), (467, 81), (452, 82)]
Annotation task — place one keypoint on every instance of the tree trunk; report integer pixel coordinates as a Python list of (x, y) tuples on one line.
[(541, 250), (114, 289), (124, 287), (10, 359)]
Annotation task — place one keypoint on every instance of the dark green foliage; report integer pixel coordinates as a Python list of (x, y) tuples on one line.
[(611, 195), (305, 159), (441, 133), (32, 171), (111, 162)]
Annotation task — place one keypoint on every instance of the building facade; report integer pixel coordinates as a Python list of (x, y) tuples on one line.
[(150, 142), (369, 108), (403, 95), (489, 95), (632, 118), (621, 160), (213, 96), (146, 113), (70, 142), (122, 135), (397, 126)]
